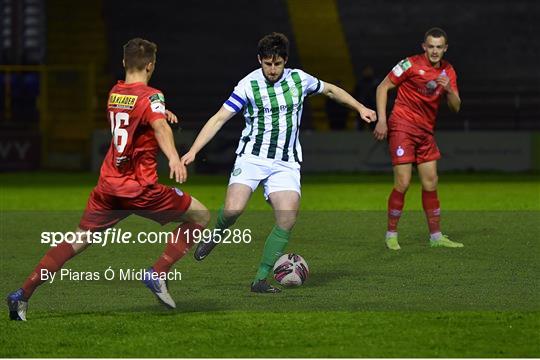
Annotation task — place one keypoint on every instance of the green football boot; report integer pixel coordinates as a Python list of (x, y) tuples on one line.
[(444, 241), (392, 242)]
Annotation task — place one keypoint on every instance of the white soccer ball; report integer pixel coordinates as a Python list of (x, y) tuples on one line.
[(291, 270)]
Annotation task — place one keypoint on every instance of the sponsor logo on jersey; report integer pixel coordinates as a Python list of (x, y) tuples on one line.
[(282, 108), (121, 101), (400, 152), (179, 192)]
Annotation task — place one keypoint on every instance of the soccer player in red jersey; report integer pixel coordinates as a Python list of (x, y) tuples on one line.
[(422, 80), (128, 182)]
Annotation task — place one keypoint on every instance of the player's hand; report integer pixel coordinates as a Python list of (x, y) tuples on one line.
[(367, 115), (178, 171), (188, 158), (381, 130), (444, 81), (171, 117)]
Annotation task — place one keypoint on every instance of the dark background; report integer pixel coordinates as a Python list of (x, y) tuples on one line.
[(72, 55)]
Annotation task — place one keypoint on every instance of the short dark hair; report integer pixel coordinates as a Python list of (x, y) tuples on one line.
[(436, 32), (138, 53), (273, 45)]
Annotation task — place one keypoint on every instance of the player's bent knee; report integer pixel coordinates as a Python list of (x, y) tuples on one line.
[(197, 213), (203, 218), (199, 217), (286, 224), (286, 220), (402, 186), (430, 183), (401, 183), (232, 214)]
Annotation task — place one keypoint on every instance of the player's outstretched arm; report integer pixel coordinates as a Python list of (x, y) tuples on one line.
[(341, 96), (381, 129), (165, 140), (207, 133)]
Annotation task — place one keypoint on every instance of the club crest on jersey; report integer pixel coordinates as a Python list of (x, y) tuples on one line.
[(431, 86), (400, 152), (294, 91), (121, 101), (237, 172), (179, 192)]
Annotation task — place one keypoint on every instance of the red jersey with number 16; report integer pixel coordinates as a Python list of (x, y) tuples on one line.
[(130, 164), (418, 97)]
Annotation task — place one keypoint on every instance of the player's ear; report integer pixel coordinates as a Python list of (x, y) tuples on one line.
[(424, 47), (259, 59), (285, 60)]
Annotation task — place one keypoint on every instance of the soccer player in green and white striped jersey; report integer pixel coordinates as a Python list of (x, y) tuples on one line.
[(269, 153)]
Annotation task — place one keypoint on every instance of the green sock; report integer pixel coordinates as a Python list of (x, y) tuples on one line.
[(222, 222), (273, 249)]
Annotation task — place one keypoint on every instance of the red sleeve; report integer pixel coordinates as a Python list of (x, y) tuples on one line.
[(401, 71), (155, 109)]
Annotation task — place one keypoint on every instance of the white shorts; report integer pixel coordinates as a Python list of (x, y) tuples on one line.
[(275, 175)]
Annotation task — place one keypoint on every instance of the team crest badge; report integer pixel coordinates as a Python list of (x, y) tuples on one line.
[(400, 151), (431, 85), (237, 172)]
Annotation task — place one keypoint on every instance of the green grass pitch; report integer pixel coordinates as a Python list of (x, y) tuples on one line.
[(361, 300)]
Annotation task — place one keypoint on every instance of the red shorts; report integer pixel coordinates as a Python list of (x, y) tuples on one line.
[(406, 148), (157, 202)]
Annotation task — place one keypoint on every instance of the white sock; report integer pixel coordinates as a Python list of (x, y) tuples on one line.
[(391, 233), (435, 236)]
